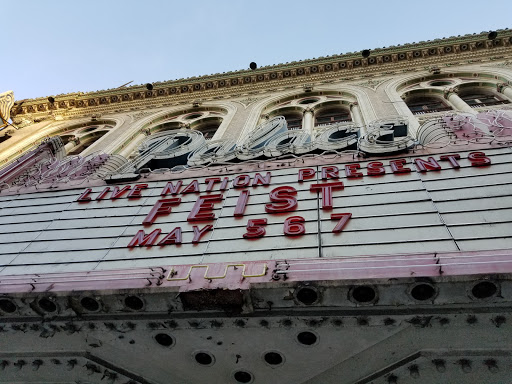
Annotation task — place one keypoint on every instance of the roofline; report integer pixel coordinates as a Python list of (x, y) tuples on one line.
[(469, 46)]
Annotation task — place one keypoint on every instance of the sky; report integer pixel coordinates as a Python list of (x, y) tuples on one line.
[(53, 47)]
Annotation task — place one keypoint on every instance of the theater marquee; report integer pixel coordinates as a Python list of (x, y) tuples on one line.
[(281, 199)]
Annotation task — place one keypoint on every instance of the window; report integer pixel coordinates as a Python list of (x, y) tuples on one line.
[(332, 116), (426, 104), (481, 98), (311, 100), (207, 126), (85, 142), (293, 121), (208, 130)]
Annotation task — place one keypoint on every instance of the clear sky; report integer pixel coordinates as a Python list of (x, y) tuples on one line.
[(60, 46)]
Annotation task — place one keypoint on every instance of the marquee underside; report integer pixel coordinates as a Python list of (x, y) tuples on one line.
[(376, 319)]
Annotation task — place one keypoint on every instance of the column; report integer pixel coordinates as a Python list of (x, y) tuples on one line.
[(72, 144), (68, 146), (132, 146), (307, 121), (457, 102), (505, 89), (357, 118)]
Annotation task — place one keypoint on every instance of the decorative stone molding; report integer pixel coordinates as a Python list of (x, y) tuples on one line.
[(499, 65), (6, 104), (138, 115), (407, 57), (372, 84), (501, 86), (248, 101), (308, 110), (449, 91), (434, 69)]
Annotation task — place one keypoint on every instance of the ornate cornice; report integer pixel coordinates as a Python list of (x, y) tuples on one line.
[(350, 66)]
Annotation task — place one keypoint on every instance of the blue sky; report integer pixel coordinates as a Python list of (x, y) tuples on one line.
[(56, 46)]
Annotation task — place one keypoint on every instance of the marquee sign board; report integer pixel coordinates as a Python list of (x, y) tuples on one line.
[(423, 203), (282, 199)]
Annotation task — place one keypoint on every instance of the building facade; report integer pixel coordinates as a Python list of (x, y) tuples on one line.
[(345, 219)]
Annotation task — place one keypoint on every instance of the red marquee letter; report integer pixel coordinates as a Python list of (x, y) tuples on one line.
[(375, 168), (478, 159), (424, 165), (172, 238), (224, 184), (397, 166), (350, 170), (141, 238), (103, 193), (294, 226), (171, 188), (202, 208), (193, 187), (241, 203), (255, 228), (329, 172), (452, 159), (284, 195), (116, 193), (198, 233), (210, 182), (306, 174), (135, 192), (162, 207), (258, 179), (326, 192), (241, 181), (84, 197), (343, 217)]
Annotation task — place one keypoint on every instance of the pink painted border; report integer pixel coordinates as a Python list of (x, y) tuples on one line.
[(277, 271)]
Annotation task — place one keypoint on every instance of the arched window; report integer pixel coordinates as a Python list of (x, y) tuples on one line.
[(293, 120), (84, 142), (481, 98), (421, 104), (77, 138), (332, 116), (208, 130), (208, 126)]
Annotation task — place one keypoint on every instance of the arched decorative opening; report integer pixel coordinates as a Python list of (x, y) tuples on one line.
[(293, 120), (67, 138), (420, 104), (167, 126), (332, 115), (79, 137), (207, 120), (481, 97), (208, 126), (292, 115), (84, 142)]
